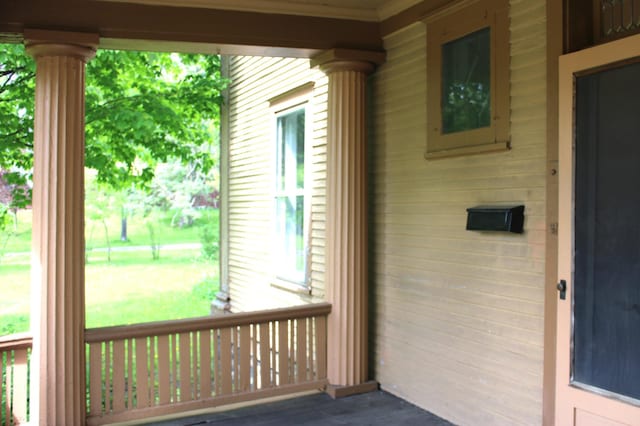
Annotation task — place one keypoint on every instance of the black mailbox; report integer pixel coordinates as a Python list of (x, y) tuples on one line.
[(495, 218)]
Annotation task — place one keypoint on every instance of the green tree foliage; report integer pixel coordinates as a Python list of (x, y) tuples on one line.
[(17, 83), (175, 188), (142, 108)]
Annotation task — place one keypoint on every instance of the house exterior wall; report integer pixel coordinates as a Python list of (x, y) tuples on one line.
[(254, 81), (464, 309)]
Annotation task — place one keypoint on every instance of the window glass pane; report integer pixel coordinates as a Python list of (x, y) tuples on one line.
[(290, 237), (290, 196), (290, 154), (466, 76)]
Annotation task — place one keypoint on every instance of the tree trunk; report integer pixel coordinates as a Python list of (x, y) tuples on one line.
[(123, 229), (15, 219)]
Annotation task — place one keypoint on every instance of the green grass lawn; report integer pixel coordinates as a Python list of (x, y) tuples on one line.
[(127, 290), (19, 240), (130, 288)]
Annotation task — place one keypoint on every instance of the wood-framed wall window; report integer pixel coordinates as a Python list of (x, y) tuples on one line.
[(292, 199), (468, 80)]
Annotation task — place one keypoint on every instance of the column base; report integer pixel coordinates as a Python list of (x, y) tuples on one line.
[(336, 391), (221, 304)]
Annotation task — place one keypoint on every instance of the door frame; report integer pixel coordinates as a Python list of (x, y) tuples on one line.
[(571, 65)]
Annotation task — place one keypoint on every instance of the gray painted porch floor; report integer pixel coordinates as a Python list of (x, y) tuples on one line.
[(375, 408)]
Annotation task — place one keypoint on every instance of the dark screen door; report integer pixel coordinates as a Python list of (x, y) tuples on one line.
[(606, 312)]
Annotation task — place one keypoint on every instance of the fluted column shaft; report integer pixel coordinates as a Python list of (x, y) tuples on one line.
[(346, 243), (58, 372)]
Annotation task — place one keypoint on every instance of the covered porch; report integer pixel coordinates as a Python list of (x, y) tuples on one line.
[(63, 373), (404, 284)]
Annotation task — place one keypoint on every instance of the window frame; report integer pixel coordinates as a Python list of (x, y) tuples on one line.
[(289, 102), (452, 25)]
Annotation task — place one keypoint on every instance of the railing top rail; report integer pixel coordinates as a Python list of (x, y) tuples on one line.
[(16, 341), (159, 328)]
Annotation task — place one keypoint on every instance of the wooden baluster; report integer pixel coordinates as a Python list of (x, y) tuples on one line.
[(19, 385), (301, 346), (274, 354), (95, 379), (310, 350), (225, 360), (163, 370), (130, 381), (118, 375), (217, 368), (235, 358), (245, 358), (293, 333), (173, 342), (321, 347), (153, 382), (195, 353), (4, 408), (205, 364), (254, 354), (184, 362), (108, 382), (265, 356), (283, 352), (142, 373)]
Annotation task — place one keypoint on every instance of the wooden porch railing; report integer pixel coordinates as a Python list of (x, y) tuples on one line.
[(15, 352), (161, 368)]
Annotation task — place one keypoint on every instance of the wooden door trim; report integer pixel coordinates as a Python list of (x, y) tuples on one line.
[(577, 63), (554, 50)]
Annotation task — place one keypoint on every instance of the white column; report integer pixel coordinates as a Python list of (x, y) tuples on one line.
[(346, 232), (58, 367)]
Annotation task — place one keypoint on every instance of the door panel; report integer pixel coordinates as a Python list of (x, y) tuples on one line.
[(598, 346), (606, 314), (584, 418)]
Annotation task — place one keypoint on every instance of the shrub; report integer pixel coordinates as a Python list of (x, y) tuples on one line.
[(209, 240)]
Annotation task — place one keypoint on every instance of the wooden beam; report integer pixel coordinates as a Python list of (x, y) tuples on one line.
[(578, 25), (190, 29)]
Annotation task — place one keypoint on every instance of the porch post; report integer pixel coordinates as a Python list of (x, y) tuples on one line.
[(57, 273), (346, 229)]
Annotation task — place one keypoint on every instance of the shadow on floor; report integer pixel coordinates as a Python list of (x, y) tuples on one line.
[(374, 408)]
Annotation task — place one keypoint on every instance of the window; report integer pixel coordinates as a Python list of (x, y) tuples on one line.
[(290, 203), (468, 80)]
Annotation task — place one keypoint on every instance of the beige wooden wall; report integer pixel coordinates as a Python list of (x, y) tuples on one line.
[(463, 309), (255, 80)]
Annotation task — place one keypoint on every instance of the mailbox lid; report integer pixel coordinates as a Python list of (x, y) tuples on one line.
[(496, 218)]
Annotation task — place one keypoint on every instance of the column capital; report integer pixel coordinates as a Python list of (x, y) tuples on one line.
[(40, 43), (363, 61)]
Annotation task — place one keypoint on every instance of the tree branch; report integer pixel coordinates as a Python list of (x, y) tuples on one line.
[(16, 82), (18, 141), (109, 103)]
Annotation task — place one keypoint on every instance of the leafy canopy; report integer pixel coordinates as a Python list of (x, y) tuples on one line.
[(142, 108)]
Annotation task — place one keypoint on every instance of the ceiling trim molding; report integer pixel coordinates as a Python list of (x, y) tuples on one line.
[(273, 7), (393, 7), (385, 10)]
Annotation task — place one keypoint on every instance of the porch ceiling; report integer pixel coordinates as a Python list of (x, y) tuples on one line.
[(294, 28), (363, 10)]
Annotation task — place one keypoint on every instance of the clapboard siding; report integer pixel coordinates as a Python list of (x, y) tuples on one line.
[(465, 309), (255, 80)]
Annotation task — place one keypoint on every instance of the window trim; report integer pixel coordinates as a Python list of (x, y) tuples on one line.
[(283, 104), (452, 25)]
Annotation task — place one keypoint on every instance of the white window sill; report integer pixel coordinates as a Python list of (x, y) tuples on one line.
[(298, 288)]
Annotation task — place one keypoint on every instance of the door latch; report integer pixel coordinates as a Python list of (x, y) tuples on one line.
[(562, 288)]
